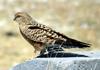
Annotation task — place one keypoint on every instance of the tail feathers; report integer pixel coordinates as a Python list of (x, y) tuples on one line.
[(71, 43)]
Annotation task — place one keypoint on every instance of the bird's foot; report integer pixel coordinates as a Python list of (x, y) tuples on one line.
[(51, 49)]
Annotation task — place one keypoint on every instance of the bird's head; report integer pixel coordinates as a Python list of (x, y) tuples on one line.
[(23, 18)]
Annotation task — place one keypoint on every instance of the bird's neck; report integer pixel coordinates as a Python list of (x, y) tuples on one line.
[(22, 27)]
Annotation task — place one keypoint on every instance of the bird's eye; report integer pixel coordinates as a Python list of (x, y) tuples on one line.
[(17, 17)]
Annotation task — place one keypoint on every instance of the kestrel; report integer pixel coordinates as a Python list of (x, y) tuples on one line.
[(39, 35)]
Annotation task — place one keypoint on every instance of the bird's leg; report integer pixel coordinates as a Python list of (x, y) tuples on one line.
[(48, 49), (52, 48), (44, 50)]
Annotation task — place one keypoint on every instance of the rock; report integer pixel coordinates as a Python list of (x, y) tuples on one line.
[(61, 55), (75, 63)]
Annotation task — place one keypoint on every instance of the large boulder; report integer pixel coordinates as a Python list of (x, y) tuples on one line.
[(71, 63)]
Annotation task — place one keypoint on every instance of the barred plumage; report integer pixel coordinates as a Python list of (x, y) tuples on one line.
[(40, 35)]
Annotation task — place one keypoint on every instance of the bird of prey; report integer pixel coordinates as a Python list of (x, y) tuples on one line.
[(39, 35)]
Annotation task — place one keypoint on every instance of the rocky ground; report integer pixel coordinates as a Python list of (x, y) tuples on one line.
[(75, 63), (79, 19)]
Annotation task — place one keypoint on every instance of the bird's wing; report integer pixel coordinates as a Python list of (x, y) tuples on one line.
[(42, 34), (72, 43), (46, 34)]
